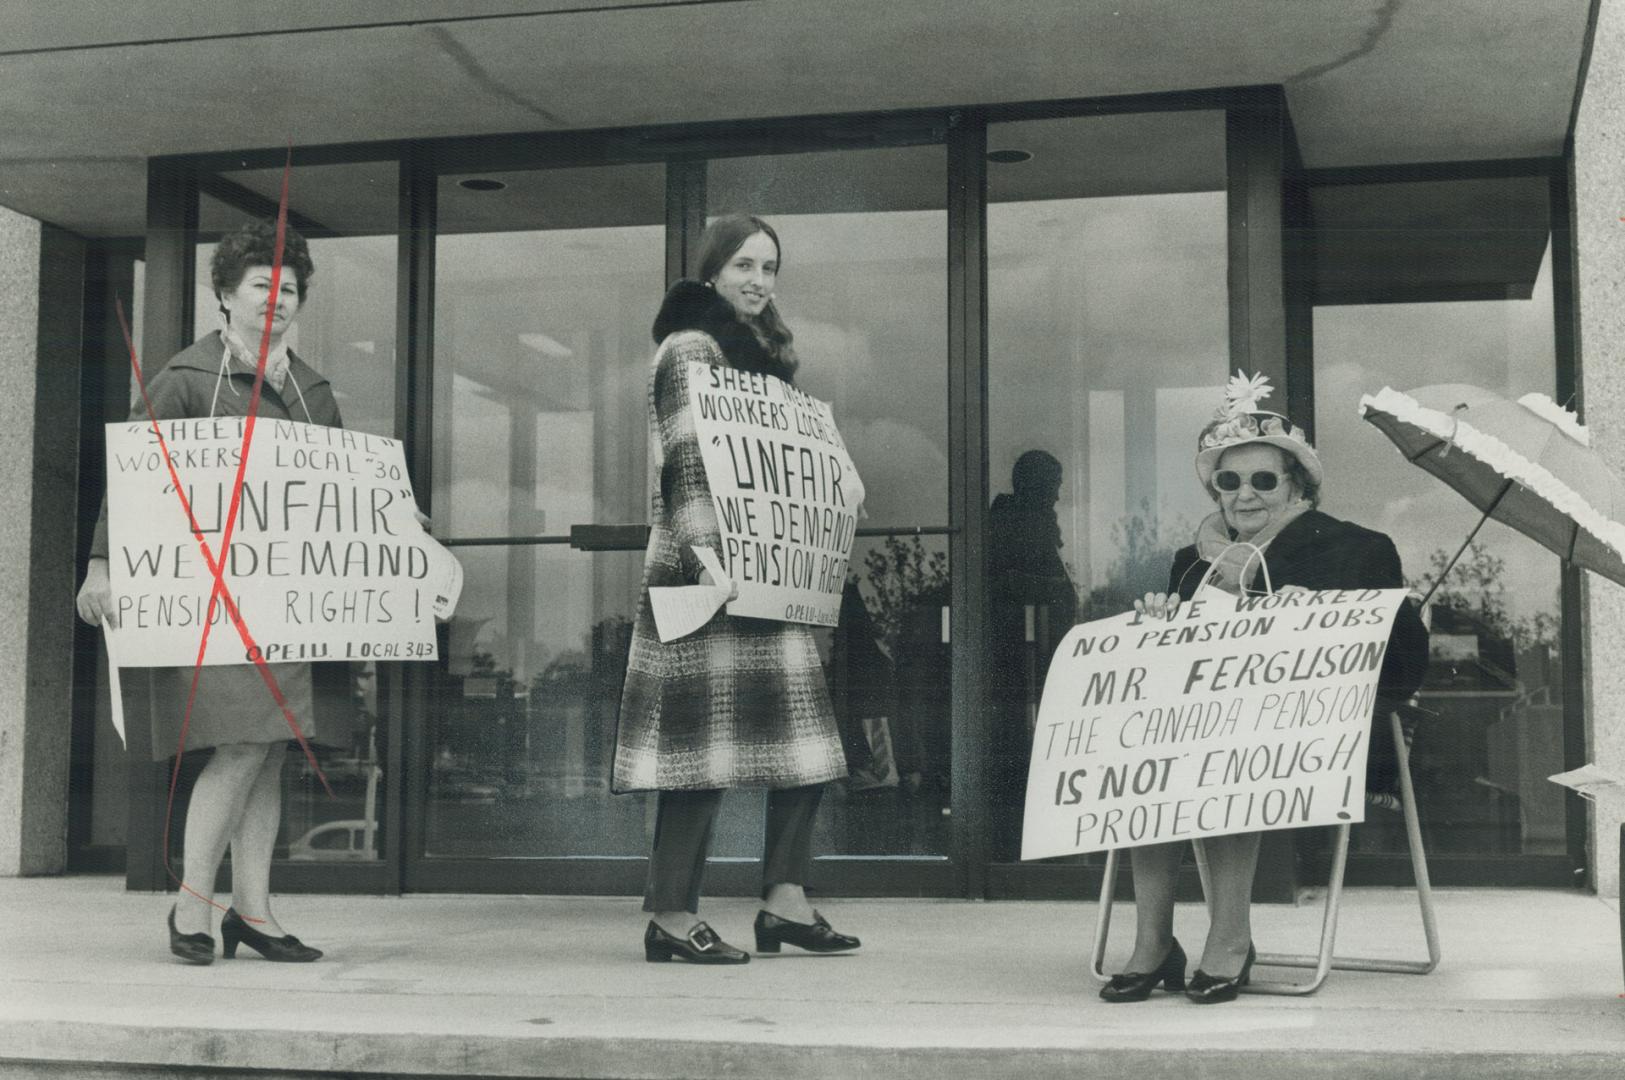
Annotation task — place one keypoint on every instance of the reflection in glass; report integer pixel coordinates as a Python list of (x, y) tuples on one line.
[(863, 284), (1108, 324), (542, 353), (545, 291), (1495, 676), (887, 665), (522, 709)]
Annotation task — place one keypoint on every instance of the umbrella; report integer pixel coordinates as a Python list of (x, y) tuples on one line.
[(1526, 463)]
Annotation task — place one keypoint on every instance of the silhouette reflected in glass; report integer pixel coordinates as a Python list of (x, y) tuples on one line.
[(1034, 605)]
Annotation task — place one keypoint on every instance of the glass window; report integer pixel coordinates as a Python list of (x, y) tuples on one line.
[(1108, 332), (863, 286), (99, 788), (546, 285), (1495, 679)]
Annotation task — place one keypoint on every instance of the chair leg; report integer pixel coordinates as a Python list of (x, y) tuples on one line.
[(1103, 917), (1322, 962), (1325, 960), (1424, 887)]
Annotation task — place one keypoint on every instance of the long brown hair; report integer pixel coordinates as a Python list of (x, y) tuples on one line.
[(726, 235)]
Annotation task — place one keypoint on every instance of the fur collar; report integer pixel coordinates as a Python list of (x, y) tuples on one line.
[(691, 305)]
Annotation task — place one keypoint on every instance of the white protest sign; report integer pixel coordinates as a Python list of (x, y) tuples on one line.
[(786, 493), (1238, 715), (327, 561)]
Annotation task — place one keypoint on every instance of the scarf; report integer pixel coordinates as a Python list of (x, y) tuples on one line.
[(276, 363), (1232, 560)]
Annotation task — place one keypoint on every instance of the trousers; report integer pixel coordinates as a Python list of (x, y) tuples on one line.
[(684, 821)]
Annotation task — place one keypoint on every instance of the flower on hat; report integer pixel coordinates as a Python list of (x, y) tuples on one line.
[(1240, 420), (1243, 393)]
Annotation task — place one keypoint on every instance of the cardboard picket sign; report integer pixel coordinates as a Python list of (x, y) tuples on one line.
[(327, 561), (786, 493), (1238, 715)]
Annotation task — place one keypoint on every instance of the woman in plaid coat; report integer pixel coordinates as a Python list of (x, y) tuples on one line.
[(741, 702)]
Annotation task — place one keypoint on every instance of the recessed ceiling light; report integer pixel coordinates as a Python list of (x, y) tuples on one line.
[(1009, 157), (481, 183)]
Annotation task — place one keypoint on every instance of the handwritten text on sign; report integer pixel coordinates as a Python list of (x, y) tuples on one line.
[(1239, 715), (785, 489), (327, 561)]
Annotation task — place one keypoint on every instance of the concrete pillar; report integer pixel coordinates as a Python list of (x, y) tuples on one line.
[(41, 292), (1599, 222)]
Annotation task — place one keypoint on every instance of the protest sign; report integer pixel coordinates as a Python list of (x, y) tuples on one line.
[(327, 560), (1240, 714), (786, 493)]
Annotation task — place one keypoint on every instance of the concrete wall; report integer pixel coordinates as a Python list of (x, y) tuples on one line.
[(1599, 200), (41, 293), (19, 345)]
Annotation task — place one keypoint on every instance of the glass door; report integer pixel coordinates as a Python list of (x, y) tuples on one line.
[(1108, 322), (545, 286), (863, 285)]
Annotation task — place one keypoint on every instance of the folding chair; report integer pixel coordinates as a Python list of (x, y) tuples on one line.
[(1323, 961)]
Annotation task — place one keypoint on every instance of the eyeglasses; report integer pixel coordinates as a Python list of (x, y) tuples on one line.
[(1263, 480)]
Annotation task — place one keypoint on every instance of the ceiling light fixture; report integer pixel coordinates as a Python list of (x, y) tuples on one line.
[(481, 183), (1009, 157)]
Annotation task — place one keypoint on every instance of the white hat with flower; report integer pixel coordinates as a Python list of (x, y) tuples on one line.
[(1240, 421)]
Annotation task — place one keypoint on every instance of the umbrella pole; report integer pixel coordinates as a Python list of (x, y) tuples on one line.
[(1499, 495)]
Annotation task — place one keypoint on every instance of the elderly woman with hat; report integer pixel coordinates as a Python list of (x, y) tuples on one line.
[(1265, 477)]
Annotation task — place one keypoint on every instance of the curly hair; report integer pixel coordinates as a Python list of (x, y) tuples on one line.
[(254, 244)]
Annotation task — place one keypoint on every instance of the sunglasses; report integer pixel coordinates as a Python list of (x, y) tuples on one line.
[(1263, 480)]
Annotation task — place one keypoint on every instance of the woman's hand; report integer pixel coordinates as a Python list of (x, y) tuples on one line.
[(733, 586), (1158, 605), (95, 602), (422, 518)]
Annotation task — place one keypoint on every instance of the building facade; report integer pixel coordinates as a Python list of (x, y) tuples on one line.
[(969, 278)]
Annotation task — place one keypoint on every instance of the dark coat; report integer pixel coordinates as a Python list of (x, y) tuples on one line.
[(740, 702), (1318, 551), (233, 704)]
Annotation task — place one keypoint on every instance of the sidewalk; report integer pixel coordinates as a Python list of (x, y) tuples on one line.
[(557, 987)]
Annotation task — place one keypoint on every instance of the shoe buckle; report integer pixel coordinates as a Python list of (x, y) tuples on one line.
[(703, 938)]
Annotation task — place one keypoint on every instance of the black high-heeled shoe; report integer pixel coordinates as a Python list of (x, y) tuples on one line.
[(1137, 986), (190, 948), (701, 946), (286, 949), (817, 936), (1208, 989)]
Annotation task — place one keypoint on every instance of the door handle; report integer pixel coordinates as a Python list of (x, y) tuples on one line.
[(609, 537)]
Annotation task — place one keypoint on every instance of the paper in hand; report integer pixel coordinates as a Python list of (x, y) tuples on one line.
[(445, 579), (115, 691), (680, 610)]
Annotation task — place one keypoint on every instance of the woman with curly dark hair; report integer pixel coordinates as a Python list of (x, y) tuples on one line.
[(237, 798)]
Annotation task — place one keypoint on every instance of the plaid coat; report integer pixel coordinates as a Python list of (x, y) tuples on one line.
[(740, 702)]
